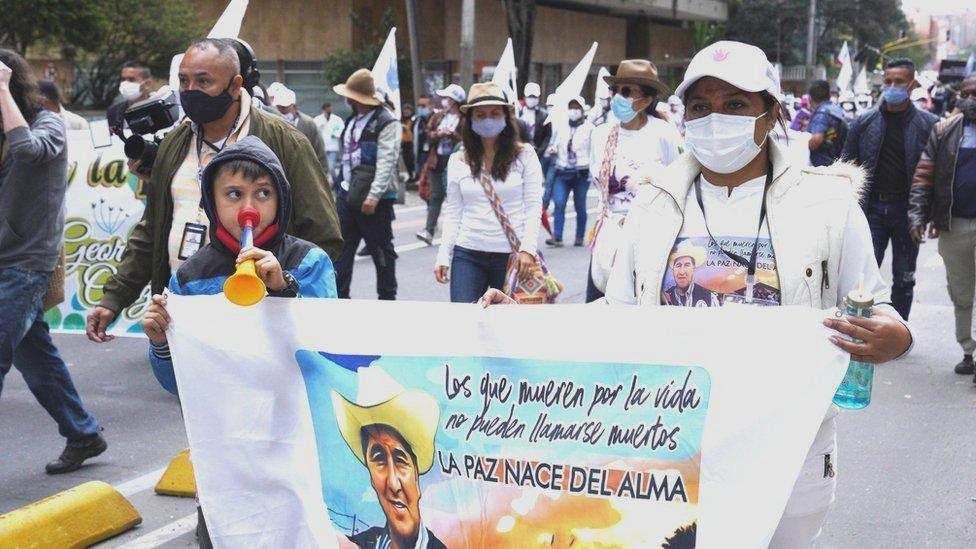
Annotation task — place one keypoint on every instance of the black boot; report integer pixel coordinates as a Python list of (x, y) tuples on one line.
[(73, 456), (554, 242), (965, 367)]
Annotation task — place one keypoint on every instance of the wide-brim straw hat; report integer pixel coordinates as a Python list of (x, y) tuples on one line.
[(381, 400), (359, 87), (688, 249), (637, 71), (483, 94)]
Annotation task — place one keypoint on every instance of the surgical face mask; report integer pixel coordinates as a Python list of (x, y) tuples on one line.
[(130, 91), (623, 108), (968, 108), (575, 115), (488, 127), (723, 143), (445, 103), (895, 95), (203, 108), (531, 102), (423, 111)]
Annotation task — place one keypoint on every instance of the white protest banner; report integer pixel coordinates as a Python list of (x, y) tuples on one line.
[(385, 75), (102, 205), (313, 421)]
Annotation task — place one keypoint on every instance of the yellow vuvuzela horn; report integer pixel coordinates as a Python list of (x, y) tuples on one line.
[(245, 287)]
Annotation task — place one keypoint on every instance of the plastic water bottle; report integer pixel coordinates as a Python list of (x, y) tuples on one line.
[(855, 390)]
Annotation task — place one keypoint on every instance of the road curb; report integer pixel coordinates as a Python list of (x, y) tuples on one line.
[(178, 479), (78, 517)]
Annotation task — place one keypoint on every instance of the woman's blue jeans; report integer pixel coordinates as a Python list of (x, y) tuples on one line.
[(577, 182), (473, 272)]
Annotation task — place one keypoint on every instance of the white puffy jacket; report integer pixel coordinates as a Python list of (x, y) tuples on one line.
[(809, 210)]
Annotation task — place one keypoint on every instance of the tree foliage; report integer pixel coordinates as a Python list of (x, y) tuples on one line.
[(149, 32), (29, 23), (779, 26), (341, 63)]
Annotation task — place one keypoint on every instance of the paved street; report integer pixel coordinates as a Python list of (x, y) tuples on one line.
[(907, 475)]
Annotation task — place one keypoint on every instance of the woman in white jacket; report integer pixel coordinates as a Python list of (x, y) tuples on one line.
[(782, 234)]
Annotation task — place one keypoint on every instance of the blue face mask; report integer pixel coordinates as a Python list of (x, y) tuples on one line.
[(895, 96), (423, 111), (488, 127), (623, 108)]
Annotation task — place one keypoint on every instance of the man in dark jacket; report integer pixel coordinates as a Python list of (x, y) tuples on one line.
[(220, 112), (534, 118), (887, 142), (369, 152), (134, 86), (943, 199), (285, 101)]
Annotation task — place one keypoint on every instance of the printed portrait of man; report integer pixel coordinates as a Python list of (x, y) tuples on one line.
[(685, 292), (391, 432)]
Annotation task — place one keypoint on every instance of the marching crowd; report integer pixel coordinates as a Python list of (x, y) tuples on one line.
[(801, 197)]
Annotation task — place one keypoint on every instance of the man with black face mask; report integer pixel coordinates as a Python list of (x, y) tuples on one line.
[(173, 225), (943, 201)]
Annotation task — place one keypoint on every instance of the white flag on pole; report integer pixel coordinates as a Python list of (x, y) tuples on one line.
[(846, 69), (861, 84), (602, 88), (385, 75), (970, 64), (569, 89), (227, 26), (505, 74)]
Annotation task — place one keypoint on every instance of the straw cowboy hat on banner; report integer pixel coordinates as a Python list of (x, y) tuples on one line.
[(381, 400)]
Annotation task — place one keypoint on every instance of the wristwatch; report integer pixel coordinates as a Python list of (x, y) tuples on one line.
[(291, 287)]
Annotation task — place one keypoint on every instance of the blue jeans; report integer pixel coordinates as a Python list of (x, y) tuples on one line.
[(473, 272), (549, 171), (577, 182), (26, 343), (889, 221)]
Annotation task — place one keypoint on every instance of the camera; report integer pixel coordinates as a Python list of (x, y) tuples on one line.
[(158, 112)]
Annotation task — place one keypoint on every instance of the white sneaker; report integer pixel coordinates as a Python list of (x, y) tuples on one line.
[(426, 237)]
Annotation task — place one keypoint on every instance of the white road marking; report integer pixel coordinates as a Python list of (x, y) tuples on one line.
[(163, 534), (133, 486)]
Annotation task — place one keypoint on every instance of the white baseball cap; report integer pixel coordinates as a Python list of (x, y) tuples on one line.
[(579, 99), (532, 90), (275, 87), (454, 92), (745, 67), (284, 97), (550, 99)]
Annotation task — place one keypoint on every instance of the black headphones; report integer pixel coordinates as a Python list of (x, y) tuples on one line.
[(248, 62)]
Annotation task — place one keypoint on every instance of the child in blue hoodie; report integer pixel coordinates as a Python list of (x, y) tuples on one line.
[(245, 174)]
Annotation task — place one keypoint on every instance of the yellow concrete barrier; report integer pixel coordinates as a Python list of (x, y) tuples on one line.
[(178, 480), (79, 517)]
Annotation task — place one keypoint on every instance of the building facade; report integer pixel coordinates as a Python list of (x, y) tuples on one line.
[(293, 38)]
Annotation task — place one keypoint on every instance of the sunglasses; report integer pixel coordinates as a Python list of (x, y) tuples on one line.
[(629, 91)]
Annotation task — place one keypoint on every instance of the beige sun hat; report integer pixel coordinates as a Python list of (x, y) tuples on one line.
[(483, 94), (359, 87)]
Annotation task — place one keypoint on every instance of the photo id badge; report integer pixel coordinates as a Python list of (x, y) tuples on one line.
[(194, 235)]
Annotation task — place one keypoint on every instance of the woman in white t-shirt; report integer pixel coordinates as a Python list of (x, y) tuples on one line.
[(638, 141), (736, 220), (475, 249)]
